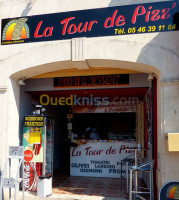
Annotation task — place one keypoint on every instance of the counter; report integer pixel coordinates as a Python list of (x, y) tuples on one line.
[(99, 158)]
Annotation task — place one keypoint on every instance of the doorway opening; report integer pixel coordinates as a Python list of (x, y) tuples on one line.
[(124, 120)]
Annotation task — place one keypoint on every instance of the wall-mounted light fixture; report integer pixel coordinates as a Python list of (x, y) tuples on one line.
[(21, 81), (151, 77)]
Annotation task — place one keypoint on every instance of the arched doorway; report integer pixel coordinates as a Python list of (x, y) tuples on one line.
[(116, 67)]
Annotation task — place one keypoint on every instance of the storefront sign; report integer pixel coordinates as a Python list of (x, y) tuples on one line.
[(99, 159), (170, 191), (33, 121), (121, 20), (92, 81)]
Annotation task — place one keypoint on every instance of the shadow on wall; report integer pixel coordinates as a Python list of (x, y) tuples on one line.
[(28, 8), (162, 50)]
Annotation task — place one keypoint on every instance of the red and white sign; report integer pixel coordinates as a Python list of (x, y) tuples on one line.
[(31, 171), (99, 159), (28, 155)]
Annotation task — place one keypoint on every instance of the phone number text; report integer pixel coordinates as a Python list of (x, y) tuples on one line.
[(145, 29)]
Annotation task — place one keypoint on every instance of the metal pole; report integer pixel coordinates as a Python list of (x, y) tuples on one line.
[(127, 176), (23, 178), (52, 144), (1, 174), (44, 147), (9, 177), (130, 186), (15, 191), (135, 172)]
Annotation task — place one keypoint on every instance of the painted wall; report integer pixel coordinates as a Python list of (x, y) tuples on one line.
[(155, 52), (168, 161)]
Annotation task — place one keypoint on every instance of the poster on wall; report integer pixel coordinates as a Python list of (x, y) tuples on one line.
[(33, 144), (99, 159), (32, 140)]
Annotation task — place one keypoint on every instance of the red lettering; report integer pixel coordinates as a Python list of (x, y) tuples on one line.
[(65, 22), (121, 148), (78, 153), (73, 152), (83, 79), (107, 80), (120, 21), (87, 149), (37, 30), (90, 152), (110, 20), (49, 31), (173, 5), (111, 151), (148, 14), (70, 31), (155, 15), (137, 13), (83, 29), (103, 79), (91, 24), (165, 14)]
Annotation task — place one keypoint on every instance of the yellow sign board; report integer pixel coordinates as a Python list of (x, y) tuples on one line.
[(173, 142)]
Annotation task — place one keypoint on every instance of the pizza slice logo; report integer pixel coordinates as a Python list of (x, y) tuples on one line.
[(16, 29), (173, 192)]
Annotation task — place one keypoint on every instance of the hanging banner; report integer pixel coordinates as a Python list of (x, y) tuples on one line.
[(110, 21)]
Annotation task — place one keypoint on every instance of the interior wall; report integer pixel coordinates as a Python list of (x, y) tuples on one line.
[(25, 108)]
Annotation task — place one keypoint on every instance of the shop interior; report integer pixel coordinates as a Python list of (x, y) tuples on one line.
[(110, 126), (113, 125)]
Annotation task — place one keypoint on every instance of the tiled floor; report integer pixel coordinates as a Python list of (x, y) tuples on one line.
[(83, 188), (89, 186)]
